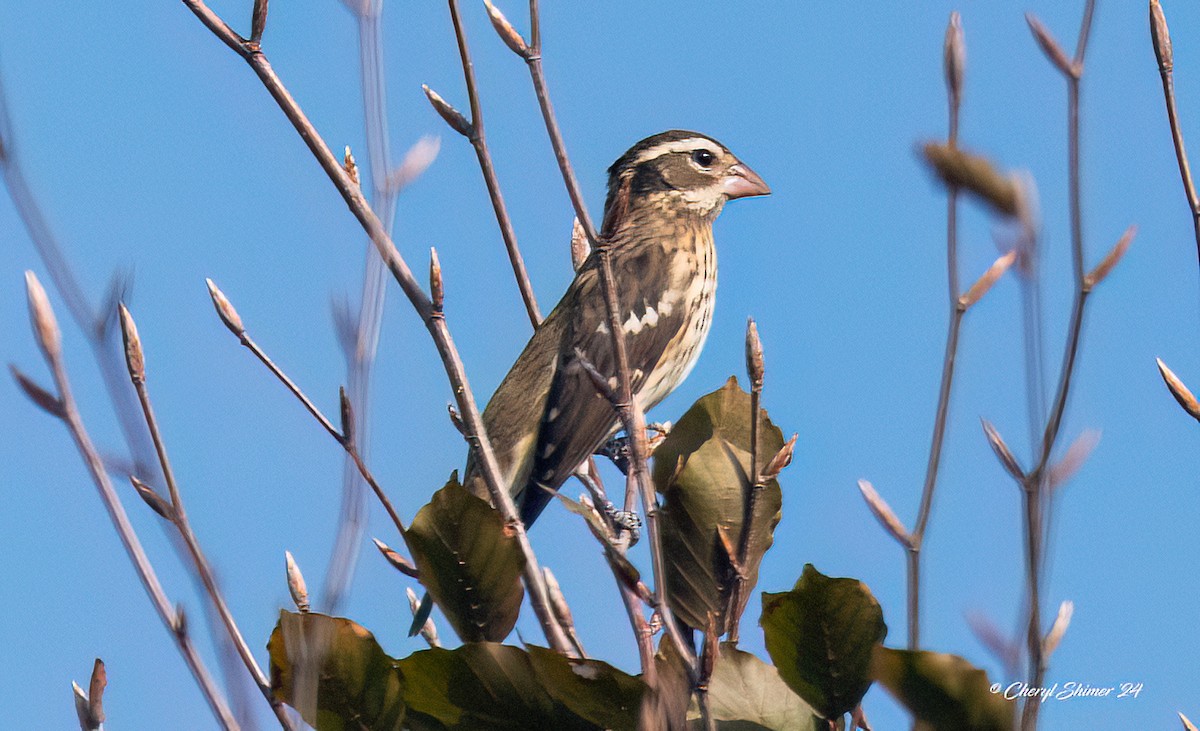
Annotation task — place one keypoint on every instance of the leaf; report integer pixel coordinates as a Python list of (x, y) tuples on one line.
[(747, 694), (591, 689), (665, 706), (492, 686), (335, 674), (469, 562), (944, 691), (820, 636), (712, 443)]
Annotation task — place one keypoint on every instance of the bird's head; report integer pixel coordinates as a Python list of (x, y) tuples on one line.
[(684, 172)]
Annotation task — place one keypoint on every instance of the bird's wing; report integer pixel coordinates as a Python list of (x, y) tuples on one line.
[(577, 419), (514, 413)]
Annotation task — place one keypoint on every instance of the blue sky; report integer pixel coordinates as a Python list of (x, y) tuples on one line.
[(154, 149)]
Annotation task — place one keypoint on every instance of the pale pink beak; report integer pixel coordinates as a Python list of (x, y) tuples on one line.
[(742, 182)]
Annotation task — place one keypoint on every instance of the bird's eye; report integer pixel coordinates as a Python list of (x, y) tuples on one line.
[(703, 158)]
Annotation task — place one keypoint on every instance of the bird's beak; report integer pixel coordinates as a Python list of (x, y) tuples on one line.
[(742, 182)]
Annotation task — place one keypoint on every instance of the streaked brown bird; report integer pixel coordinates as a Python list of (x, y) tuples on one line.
[(547, 417)]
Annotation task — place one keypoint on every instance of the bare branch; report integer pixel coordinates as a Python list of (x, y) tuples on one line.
[(1161, 37), (170, 617), (420, 301), (135, 359), (478, 137)]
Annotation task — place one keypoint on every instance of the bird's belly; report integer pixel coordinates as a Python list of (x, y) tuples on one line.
[(686, 345)]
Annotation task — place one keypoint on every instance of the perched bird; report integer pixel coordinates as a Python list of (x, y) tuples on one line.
[(546, 418)]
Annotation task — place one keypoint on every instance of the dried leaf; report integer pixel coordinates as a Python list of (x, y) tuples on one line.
[(418, 158), (1080, 449)]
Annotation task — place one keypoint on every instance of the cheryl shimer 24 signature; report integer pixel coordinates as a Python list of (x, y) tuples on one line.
[(1067, 691)]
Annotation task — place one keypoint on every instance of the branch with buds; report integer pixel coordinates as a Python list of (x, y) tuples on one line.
[(174, 512), (344, 437), (1160, 35), (61, 405), (475, 133), (420, 301)]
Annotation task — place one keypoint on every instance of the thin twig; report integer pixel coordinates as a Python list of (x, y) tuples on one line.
[(755, 369), (99, 330), (1166, 66), (633, 420), (435, 324), (346, 437), (171, 617), (134, 357), (478, 140), (1036, 488), (95, 326), (954, 55)]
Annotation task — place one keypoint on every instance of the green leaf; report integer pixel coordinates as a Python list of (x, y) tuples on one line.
[(469, 562), (703, 470), (335, 674), (492, 686), (591, 689), (821, 635), (944, 691), (746, 694)]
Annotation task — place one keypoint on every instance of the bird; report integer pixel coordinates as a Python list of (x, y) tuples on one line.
[(547, 416)]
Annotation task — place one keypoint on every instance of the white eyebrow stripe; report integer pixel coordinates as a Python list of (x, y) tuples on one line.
[(684, 145)]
